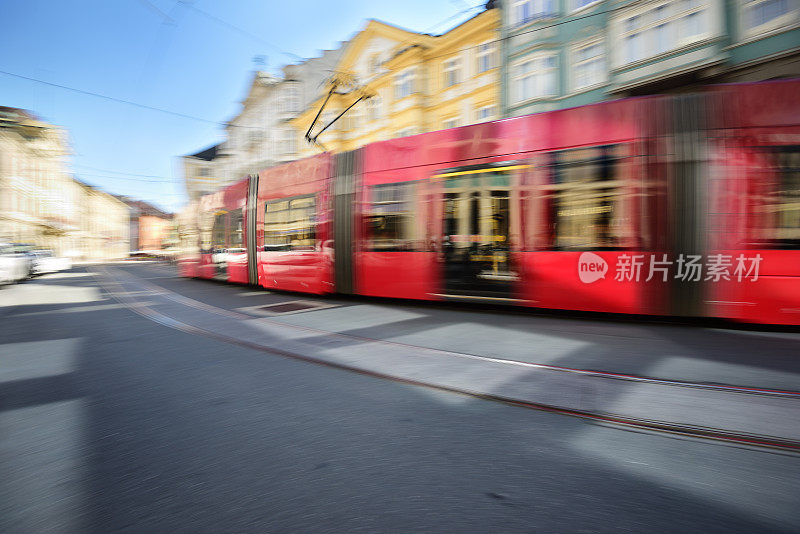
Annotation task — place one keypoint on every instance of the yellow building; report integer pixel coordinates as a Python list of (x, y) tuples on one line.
[(410, 83), (103, 225)]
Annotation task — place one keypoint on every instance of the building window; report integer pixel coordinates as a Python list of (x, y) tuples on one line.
[(633, 39), (486, 57), (663, 28), (405, 132), (452, 72), (535, 78), (661, 38), (589, 66), (356, 117), (452, 122), (254, 136), (374, 64), (390, 218), (524, 11), (761, 15), (692, 25), (404, 84), (485, 113), (291, 99), (289, 142), (289, 224), (326, 119), (580, 4), (374, 108), (352, 119)]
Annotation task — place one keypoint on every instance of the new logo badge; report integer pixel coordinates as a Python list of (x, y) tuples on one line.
[(591, 267)]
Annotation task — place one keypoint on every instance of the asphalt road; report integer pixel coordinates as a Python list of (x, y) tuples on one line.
[(112, 423), (721, 352)]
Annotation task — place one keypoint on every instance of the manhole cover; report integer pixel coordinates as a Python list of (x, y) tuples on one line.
[(287, 307), (282, 308)]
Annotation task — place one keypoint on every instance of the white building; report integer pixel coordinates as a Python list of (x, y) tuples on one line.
[(260, 136), (37, 203)]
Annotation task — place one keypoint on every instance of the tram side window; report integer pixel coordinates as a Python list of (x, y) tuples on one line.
[(586, 200), (781, 204), (236, 221), (390, 218), (289, 224), (218, 231)]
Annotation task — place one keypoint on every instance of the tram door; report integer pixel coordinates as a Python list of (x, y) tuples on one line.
[(476, 234)]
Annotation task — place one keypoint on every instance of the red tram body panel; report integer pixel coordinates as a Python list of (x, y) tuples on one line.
[(599, 208), (222, 224), (293, 226), (757, 183)]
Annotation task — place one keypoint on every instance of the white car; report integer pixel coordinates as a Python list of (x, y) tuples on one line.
[(45, 262), (14, 265)]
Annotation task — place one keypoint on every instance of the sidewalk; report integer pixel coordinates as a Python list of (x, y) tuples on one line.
[(648, 349), (680, 407)]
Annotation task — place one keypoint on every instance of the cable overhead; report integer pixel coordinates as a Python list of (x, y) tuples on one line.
[(225, 124), (106, 97), (161, 179), (313, 139), (532, 30), (121, 100), (128, 179), (164, 17), (454, 16), (240, 30)]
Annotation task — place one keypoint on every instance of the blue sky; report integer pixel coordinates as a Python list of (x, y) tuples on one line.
[(171, 55)]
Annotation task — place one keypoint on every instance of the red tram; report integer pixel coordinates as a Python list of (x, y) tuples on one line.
[(683, 205)]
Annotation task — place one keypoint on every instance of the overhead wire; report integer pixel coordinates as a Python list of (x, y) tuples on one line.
[(504, 38), (138, 177), (533, 30), (334, 74), (121, 100), (111, 98), (209, 121), (133, 176), (240, 30)]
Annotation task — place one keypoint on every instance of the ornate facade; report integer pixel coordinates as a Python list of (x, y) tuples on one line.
[(410, 83)]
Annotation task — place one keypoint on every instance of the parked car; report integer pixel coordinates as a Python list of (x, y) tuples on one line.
[(15, 264), (44, 261), (25, 251)]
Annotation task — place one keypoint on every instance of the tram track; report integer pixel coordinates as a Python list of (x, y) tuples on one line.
[(171, 295), (109, 281)]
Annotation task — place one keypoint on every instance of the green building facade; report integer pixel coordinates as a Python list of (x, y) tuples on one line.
[(565, 53)]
